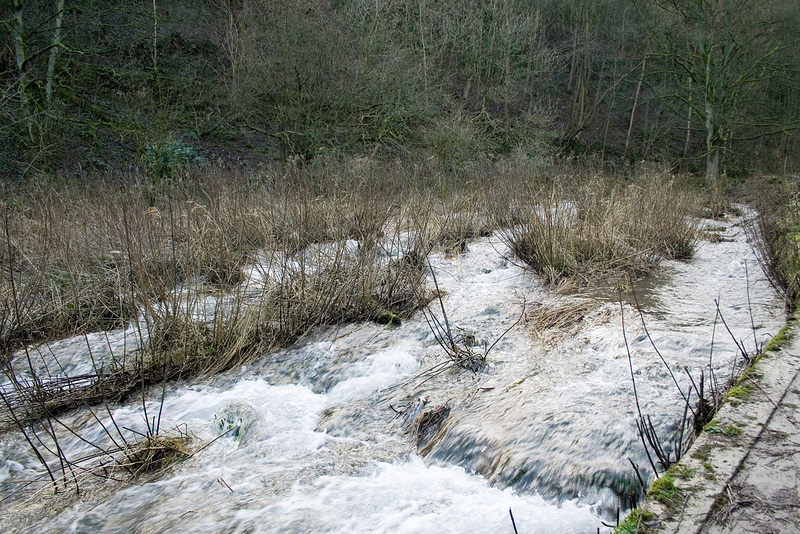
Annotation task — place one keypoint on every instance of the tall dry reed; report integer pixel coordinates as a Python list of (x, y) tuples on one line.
[(600, 229)]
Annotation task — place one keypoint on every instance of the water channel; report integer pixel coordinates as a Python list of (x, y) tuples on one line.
[(547, 428)]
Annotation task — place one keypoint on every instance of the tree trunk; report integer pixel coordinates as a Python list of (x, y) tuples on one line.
[(424, 49), (688, 125), (155, 39), (51, 62), (633, 110), (712, 140), (712, 149), (22, 65)]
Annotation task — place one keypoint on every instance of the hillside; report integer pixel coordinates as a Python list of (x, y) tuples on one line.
[(96, 86)]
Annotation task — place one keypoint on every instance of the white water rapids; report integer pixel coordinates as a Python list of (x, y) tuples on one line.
[(547, 429)]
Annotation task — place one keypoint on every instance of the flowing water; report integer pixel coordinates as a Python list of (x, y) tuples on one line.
[(326, 437)]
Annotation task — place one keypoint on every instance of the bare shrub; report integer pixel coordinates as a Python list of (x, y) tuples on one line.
[(777, 237)]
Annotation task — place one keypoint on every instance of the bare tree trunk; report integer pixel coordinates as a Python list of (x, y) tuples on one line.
[(506, 68), (231, 40), (155, 38), (22, 65), (712, 148), (424, 49), (633, 111), (688, 125), (580, 75), (51, 62)]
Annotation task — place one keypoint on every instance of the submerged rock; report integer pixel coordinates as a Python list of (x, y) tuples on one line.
[(388, 318), (239, 420)]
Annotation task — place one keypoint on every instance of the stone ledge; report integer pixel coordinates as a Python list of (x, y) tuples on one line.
[(703, 475)]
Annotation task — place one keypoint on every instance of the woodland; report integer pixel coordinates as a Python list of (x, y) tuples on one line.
[(709, 87)]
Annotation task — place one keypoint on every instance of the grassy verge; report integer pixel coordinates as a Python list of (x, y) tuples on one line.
[(778, 235)]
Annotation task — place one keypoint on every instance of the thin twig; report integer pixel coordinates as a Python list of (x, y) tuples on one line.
[(652, 343), (513, 523)]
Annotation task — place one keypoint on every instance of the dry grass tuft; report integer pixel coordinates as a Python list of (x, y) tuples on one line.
[(155, 453), (600, 229), (559, 319)]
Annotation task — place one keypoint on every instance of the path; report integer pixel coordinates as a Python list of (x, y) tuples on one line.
[(763, 496)]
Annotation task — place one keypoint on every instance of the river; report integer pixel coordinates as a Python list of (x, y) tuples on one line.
[(326, 443)]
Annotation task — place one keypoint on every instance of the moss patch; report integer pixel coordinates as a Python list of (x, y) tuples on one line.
[(728, 430), (665, 491), (709, 471), (703, 453), (680, 471), (739, 392), (388, 318), (780, 339), (635, 522), (751, 373)]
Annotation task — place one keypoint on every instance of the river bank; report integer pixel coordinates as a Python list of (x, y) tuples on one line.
[(742, 473)]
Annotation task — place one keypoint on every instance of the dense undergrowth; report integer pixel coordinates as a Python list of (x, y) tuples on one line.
[(101, 86), (778, 239)]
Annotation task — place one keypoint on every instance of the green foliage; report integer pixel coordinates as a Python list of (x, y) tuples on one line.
[(751, 373), (709, 471), (634, 522), (169, 159)]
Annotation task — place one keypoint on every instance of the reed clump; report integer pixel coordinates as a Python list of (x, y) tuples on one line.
[(601, 229)]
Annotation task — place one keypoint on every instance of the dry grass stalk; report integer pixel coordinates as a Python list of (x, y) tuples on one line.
[(559, 319)]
